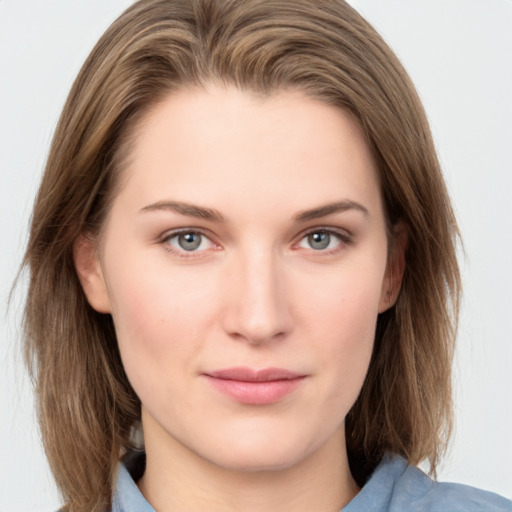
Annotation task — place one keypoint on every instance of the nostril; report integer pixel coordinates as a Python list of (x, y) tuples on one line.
[(257, 325), (257, 335)]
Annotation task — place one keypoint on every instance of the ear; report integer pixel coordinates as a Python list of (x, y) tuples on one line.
[(90, 274), (395, 268)]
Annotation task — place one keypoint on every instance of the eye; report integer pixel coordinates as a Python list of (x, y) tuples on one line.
[(322, 240), (188, 241)]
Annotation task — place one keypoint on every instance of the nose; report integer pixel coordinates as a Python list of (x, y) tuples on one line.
[(258, 304)]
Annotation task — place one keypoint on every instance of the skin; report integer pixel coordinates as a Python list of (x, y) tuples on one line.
[(257, 292)]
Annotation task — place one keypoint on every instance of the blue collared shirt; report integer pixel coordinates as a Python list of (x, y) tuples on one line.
[(394, 486)]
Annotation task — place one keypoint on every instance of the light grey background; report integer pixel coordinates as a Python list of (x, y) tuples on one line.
[(459, 53)]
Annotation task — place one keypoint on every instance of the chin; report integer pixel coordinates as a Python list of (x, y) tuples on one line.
[(266, 451), (256, 462)]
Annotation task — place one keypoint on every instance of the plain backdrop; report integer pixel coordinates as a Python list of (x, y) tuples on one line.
[(459, 54)]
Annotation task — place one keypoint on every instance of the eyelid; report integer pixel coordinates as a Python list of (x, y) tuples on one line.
[(345, 237), (168, 235)]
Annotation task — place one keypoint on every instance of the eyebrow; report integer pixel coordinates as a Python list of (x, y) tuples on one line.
[(185, 209), (200, 212), (329, 209)]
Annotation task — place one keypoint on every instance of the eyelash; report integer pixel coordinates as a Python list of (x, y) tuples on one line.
[(183, 253), (343, 237)]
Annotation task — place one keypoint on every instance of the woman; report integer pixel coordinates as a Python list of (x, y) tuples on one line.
[(259, 178)]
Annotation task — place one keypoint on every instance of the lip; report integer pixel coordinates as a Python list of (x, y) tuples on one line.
[(255, 387)]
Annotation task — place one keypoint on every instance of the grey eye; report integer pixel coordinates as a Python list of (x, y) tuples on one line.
[(319, 240), (189, 241)]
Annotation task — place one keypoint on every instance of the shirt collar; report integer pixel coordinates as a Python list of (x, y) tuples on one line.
[(375, 495), (127, 497)]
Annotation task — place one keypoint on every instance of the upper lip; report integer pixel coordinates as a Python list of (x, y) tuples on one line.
[(245, 374)]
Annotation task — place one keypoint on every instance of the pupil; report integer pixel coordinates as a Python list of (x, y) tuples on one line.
[(189, 241), (319, 240)]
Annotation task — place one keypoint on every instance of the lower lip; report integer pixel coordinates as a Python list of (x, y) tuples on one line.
[(256, 393)]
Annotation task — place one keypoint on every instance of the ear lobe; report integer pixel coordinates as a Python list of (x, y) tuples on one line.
[(395, 268), (90, 274)]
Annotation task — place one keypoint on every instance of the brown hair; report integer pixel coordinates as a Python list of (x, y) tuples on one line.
[(87, 408)]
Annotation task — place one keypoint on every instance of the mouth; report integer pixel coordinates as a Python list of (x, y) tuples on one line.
[(255, 387)]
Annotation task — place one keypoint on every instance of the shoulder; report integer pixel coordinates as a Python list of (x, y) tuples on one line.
[(423, 494), (397, 487)]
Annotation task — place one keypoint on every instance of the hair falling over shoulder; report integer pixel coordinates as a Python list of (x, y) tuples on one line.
[(87, 408)]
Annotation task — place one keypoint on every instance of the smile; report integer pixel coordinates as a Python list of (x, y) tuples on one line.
[(255, 387)]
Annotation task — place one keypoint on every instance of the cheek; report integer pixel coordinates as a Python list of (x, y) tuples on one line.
[(148, 295), (160, 316), (352, 332), (141, 327), (341, 318), (344, 300)]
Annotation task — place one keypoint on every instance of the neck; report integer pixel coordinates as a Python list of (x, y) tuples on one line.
[(178, 480)]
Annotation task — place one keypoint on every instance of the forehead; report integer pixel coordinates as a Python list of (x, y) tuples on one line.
[(222, 142)]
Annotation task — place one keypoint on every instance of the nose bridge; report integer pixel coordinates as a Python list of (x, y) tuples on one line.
[(258, 309)]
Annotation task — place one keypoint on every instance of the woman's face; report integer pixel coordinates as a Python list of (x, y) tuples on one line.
[(244, 262)]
